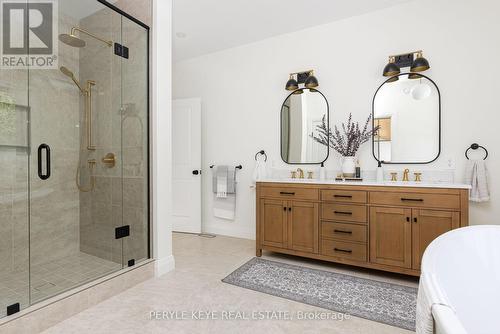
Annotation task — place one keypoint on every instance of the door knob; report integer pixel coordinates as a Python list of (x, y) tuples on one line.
[(196, 172)]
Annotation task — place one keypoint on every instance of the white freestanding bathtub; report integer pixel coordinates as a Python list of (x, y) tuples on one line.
[(465, 268)]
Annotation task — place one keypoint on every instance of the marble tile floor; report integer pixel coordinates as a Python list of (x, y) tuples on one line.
[(195, 285), (51, 278)]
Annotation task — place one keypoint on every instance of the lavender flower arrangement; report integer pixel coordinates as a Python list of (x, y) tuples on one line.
[(348, 142)]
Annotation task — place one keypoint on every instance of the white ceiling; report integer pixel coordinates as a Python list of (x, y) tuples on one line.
[(213, 25)]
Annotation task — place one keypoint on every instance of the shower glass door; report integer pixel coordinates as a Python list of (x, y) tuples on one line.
[(74, 197), (134, 118), (74, 182), (14, 187)]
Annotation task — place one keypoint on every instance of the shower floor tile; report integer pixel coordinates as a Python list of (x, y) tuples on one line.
[(51, 278)]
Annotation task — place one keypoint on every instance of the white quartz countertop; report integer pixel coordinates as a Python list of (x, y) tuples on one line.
[(409, 184)]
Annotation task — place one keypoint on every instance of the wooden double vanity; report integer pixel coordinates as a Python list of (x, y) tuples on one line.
[(378, 226)]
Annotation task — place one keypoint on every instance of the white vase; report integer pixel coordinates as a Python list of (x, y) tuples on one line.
[(348, 166)]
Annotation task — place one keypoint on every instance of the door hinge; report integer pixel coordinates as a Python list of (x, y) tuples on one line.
[(121, 50), (131, 262), (122, 232), (14, 308)]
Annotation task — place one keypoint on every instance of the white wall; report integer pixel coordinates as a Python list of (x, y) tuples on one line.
[(242, 89), (162, 135)]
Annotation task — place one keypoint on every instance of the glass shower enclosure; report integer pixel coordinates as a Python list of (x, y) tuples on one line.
[(74, 188)]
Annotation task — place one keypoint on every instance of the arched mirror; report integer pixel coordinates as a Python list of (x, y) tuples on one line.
[(301, 113), (407, 110)]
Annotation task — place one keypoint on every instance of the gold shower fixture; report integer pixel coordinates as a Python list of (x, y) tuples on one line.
[(87, 92), (75, 41)]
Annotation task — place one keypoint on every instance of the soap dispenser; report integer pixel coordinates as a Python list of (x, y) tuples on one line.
[(322, 172), (380, 173)]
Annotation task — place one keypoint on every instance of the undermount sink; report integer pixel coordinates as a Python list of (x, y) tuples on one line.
[(301, 180)]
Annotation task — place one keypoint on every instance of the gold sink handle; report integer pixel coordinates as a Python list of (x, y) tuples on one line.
[(109, 160)]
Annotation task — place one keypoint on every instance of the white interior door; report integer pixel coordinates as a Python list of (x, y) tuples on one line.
[(186, 151)]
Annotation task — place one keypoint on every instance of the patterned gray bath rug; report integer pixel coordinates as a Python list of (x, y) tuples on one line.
[(387, 303)]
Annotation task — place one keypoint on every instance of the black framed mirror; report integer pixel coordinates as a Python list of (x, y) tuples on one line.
[(407, 108), (301, 114)]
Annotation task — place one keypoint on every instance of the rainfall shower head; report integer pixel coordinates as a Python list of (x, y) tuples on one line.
[(67, 72), (72, 40)]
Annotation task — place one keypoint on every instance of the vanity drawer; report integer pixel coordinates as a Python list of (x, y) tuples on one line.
[(348, 232), (344, 212), (290, 193), (343, 249), (442, 201), (351, 196)]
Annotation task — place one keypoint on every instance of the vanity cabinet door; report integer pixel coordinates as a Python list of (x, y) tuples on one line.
[(427, 226), (390, 236), (303, 226), (273, 220)]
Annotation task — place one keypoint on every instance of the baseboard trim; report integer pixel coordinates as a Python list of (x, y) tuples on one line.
[(165, 265), (229, 231)]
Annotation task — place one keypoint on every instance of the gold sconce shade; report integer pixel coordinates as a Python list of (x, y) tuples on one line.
[(391, 68), (420, 64), (292, 84)]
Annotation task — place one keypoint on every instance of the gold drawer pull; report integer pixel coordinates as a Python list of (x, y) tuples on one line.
[(342, 250), (342, 196), (412, 199), (343, 213), (340, 231), (287, 193)]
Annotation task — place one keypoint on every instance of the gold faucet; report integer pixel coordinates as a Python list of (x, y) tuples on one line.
[(301, 173), (406, 173)]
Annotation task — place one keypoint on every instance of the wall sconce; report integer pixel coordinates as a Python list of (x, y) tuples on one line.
[(307, 78), (414, 60)]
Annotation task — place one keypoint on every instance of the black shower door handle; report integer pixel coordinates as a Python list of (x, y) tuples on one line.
[(41, 175)]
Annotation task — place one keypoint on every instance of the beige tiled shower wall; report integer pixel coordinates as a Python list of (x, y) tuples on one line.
[(121, 128), (140, 9)]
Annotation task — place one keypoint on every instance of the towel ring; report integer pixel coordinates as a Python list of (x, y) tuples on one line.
[(261, 153), (475, 146)]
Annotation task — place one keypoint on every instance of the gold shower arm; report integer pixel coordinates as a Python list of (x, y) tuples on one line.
[(109, 43)]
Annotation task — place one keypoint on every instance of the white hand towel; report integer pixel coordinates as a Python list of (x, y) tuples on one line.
[(476, 174), (225, 208), (260, 171), (222, 174)]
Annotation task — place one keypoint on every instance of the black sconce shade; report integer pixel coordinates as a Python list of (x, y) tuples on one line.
[(311, 81), (292, 84), (391, 69), (414, 76), (394, 78), (420, 64)]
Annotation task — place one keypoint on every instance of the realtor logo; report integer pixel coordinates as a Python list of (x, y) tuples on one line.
[(28, 34)]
